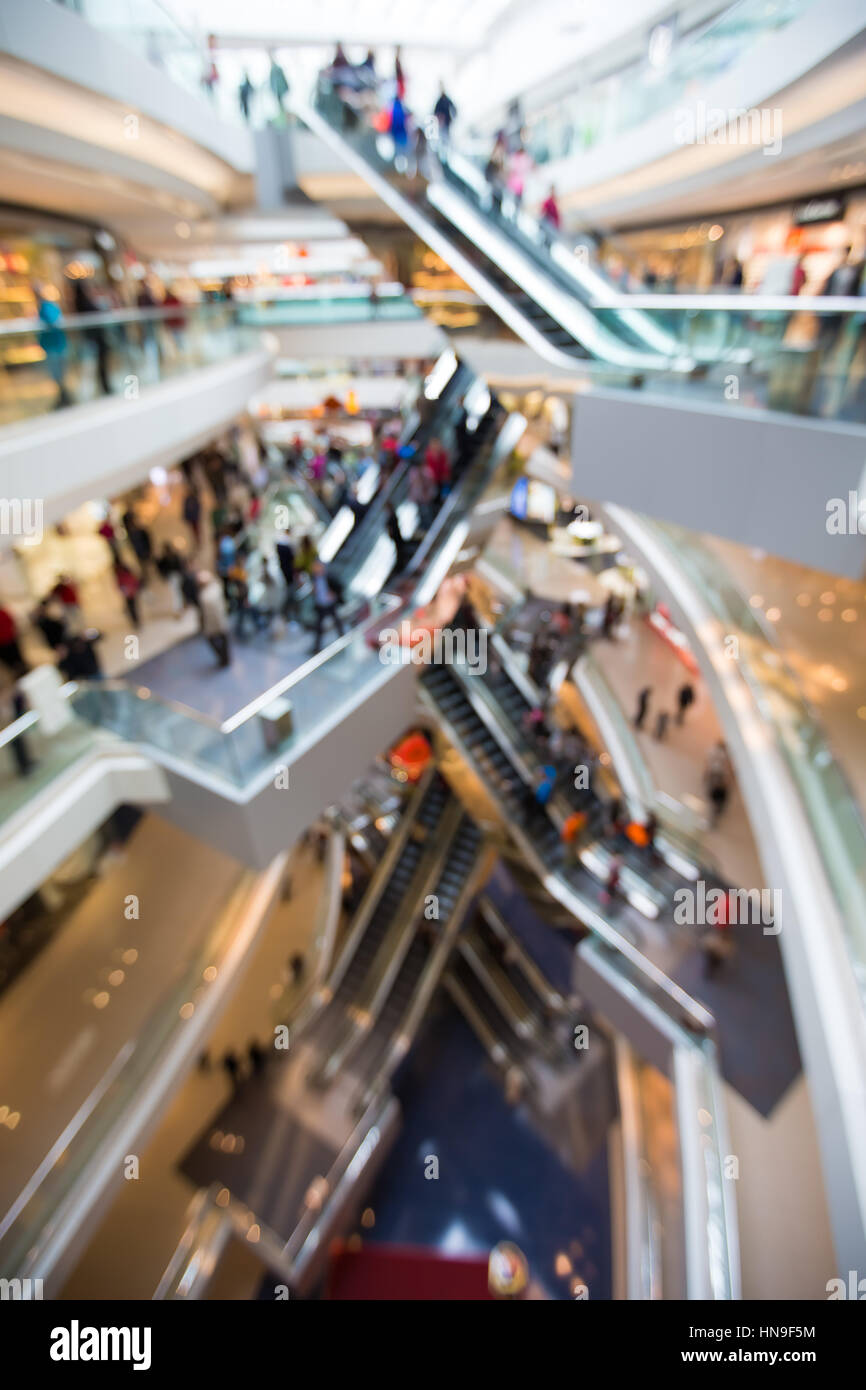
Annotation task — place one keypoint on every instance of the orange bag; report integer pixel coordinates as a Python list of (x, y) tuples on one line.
[(573, 826), (637, 833), (382, 121)]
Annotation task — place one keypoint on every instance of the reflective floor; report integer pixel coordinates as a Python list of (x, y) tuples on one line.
[(498, 1180)]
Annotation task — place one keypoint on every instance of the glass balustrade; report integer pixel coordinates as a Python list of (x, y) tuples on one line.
[(152, 31), (87, 356), (797, 355), (624, 100), (324, 307), (826, 798), (31, 758), (32, 1220), (288, 716)]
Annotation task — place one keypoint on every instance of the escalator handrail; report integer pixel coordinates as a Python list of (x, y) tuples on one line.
[(363, 156), (677, 1001)]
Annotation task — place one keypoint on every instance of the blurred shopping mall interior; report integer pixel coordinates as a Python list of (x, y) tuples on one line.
[(432, 650)]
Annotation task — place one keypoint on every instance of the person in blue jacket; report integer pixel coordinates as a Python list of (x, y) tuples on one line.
[(54, 344)]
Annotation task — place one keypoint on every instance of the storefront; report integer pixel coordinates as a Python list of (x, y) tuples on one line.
[(37, 250), (766, 244)]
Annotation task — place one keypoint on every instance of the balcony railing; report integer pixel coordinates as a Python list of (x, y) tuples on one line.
[(114, 352)]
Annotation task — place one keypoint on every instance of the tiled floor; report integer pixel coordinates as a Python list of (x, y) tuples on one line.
[(497, 1179)]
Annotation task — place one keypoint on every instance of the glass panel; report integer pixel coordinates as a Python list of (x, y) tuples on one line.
[(153, 32), (826, 797), (620, 101), (20, 1244), (796, 356), (324, 689), (44, 368), (30, 759)]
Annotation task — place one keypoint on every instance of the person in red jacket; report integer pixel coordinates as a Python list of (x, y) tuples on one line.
[(551, 218), (438, 462), (129, 585), (10, 650)]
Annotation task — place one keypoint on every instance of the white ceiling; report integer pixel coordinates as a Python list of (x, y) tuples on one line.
[(445, 24)]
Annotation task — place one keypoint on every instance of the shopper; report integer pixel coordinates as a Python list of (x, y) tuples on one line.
[(279, 85), (422, 491), (140, 542), (494, 171), (85, 302), (169, 565), (129, 585), (257, 1057), (613, 611), (232, 1067), (717, 943), (65, 592), (611, 884), (551, 220), (326, 598), (392, 526), (438, 462), (539, 658), (227, 554), (79, 660), (643, 700), (109, 535), (10, 650), (399, 127), (399, 75), (214, 616), (685, 700), (192, 513), (717, 780), (246, 92), (306, 555), (286, 560), (190, 590), (54, 344), (446, 113), (50, 618), (210, 73), (519, 166)]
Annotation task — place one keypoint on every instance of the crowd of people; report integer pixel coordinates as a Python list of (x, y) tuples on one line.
[(154, 339), (382, 99), (239, 579)]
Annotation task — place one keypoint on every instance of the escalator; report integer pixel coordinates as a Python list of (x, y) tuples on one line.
[(393, 1025), (346, 548), (367, 561), (541, 290), (506, 763), (321, 1116), (386, 903)]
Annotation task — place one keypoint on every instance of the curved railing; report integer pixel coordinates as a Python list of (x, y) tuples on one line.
[(826, 797), (83, 357), (621, 101), (248, 745)]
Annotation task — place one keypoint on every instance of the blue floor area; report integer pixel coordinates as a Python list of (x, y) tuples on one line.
[(189, 674), (758, 1048), (552, 948), (497, 1179)]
